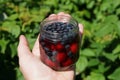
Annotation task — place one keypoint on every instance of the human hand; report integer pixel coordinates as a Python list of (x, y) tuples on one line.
[(32, 67)]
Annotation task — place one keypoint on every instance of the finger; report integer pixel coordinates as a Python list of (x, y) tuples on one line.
[(62, 13), (52, 17), (80, 28), (36, 48), (23, 48)]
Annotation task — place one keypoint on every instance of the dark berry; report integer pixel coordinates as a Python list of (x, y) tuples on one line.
[(54, 52), (42, 37), (42, 43), (52, 58), (70, 54), (49, 53), (70, 26), (67, 46), (46, 49), (59, 23), (58, 27), (65, 37)]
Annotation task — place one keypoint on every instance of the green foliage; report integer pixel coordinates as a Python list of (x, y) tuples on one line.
[(115, 75), (100, 48)]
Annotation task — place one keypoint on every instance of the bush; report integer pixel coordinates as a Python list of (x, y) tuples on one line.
[(100, 48)]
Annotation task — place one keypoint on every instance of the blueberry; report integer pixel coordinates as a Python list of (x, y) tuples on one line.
[(54, 42), (70, 55), (46, 49), (52, 58), (58, 28), (60, 31), (43, 43), (54, 52), (48, 28), (52, 55), (66, 30), (52, 30), (63, 24), (63, 42), (65, 37), (59, 23), (55, 31), (62, 27), (49, 53), (67, 46), (42, 37), (70, 26)]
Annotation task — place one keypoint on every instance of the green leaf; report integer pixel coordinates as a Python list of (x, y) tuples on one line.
[(31, 40), (118, 11), (93, 62), (13, 48), (87, 13), (102, 68), (115, 3), (105, 29), (13, 17), (19, 74), (37, 18), (11, 27), (81, 64), (118, 27), (117, 49), (119, 56), (51, 3), (110, 56), (95, 76), (115, 75), (91, 4), (111, 19), (3, 45), (105, 5), (88, 52)]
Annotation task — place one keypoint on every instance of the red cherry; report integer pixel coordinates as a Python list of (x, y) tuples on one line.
[(50, 63), (74, 48), (60, 57), (59, 46), (68, 62)]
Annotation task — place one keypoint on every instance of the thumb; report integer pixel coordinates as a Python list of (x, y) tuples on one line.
[(23, 48)]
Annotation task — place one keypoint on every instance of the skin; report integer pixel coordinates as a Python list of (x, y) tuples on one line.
[(32, 67)]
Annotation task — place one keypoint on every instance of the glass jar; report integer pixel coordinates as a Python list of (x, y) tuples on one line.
[(59, 40)]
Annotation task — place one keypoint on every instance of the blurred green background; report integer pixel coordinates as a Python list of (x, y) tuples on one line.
[(100, 49)]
